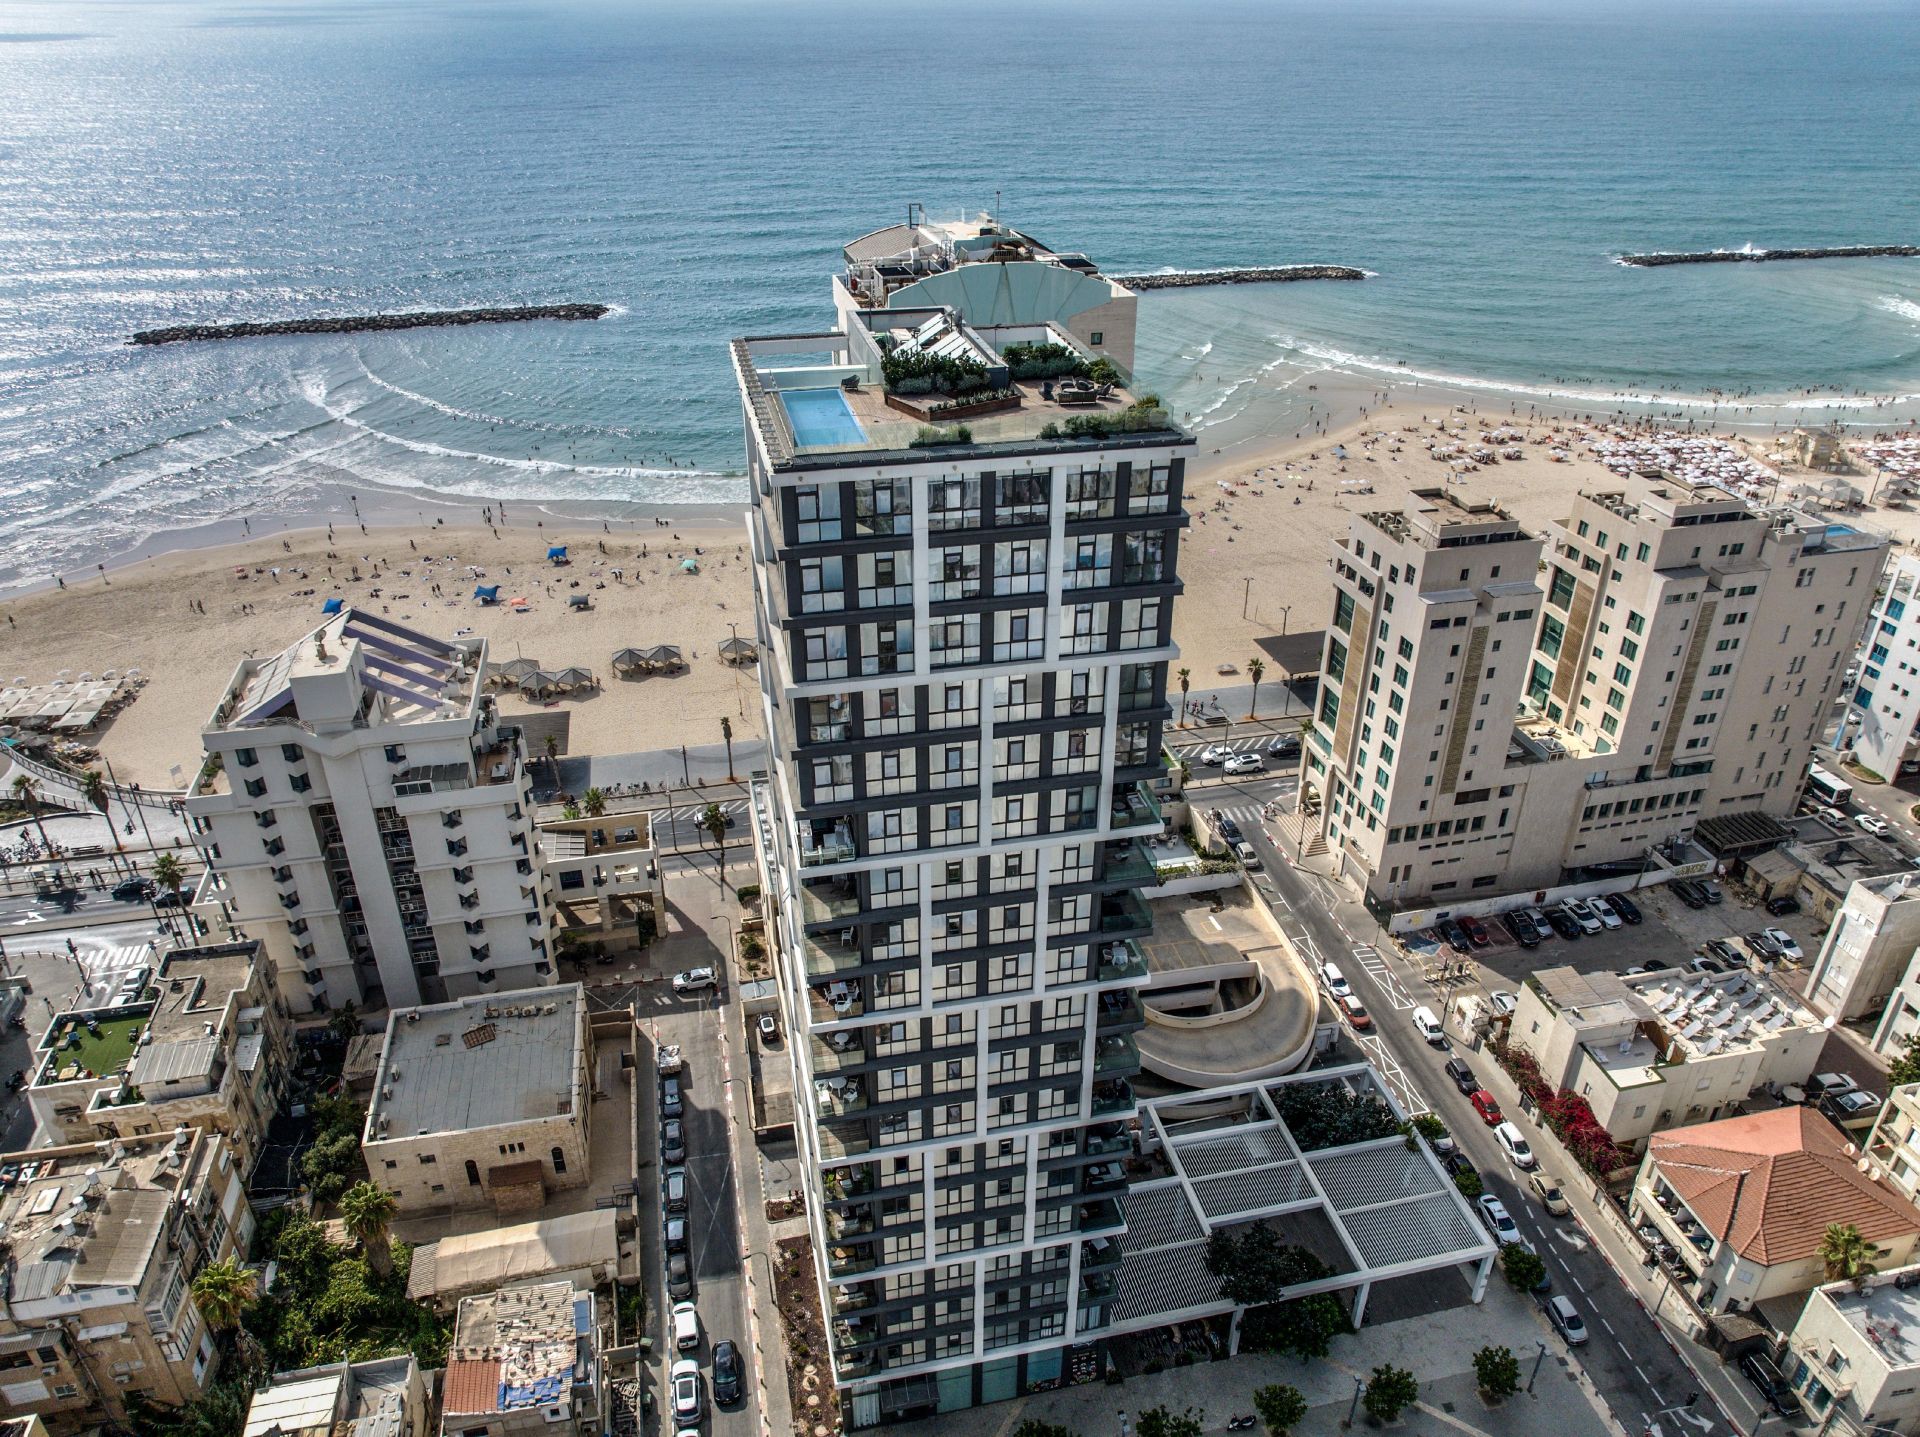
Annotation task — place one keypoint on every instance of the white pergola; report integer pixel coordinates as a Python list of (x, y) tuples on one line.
[(1373, 1210)]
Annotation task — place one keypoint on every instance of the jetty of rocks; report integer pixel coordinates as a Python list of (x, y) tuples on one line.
[(355, 323), (1269, 274), (1755, 256)]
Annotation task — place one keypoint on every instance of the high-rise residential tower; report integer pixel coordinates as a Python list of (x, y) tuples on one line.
[(964, 531)]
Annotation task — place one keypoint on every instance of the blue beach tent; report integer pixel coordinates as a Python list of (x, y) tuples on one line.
[(333, 606), (487, 593), (558, 553)]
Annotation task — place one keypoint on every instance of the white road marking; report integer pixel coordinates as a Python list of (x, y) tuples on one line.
[(1608, 1325)]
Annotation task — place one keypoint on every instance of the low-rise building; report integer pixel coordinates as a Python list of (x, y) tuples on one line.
[(381, 1397), (103, 1241), (1747, 1200), (1868, 951), (524, 1360), (1893, 1147), (603, 872), (482, 1102), (1659, 1049), (582, 1249), (1856, 1347), (207, 1044)]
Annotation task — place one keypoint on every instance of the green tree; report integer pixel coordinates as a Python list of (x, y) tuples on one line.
[(170, 874), (1185, 676), (26, 793), (344, 1023), (1280, 1408), (332, 1165), (1304, 1326), (1034, 1427), (1469, 1184), (93, 788), (368, 1211), (1906, 1067), (1256, 670), (1256, 1267), (223, 1292), (552, 746), (1159, 1422), (726, 734), (595, 800), (713, 823), (1846, 1254), (1523, 1267), (1390, 1392), (1330, 1115), (1497, 1371)]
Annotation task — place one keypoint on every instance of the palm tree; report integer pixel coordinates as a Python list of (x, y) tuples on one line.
[(223, 1291), (1847, 1255), (1185, 676), (93, 788), (367, 1211), (714, 824), (596, 802), (1256, 670), (27, 793), (553, 760)]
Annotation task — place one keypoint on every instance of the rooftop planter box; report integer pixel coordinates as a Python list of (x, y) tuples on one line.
[(936, 407)]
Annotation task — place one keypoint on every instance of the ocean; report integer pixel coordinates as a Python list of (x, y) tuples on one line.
[(698, 166)]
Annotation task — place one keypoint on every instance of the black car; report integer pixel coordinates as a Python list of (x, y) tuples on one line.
[(132, 890), (1462, 1076), (1781, 907), (1522, 929), (1562, 922), (1689, 892), (673, 1145), (169, 899), (1285, 746), (726, 1374), (1625, 907), (1764, 1373), (1456, 1163), (1455, 935), (1227, 828)]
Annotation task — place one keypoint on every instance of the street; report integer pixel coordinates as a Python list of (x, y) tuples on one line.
[(1627, 1359)]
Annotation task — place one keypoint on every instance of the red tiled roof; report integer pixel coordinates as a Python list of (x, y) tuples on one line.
[(1770, 1183), (472, 1385)]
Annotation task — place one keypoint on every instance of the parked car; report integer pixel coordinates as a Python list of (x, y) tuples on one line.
[(1498, 1221), (133, 890), (1487, 1106), (769, 1029), (1782, 906), (1625, 907), (1566, 1317), (670, 1103), (1462, 1075), (1547, 1188), (1710, 891), (727, 1374), (166, 898), (670, 1059), (1248, 855), (1335, 980), (1357, 1016), (1504, 1003), (1215, 754), (1602, 908), (673, 1142), (1688, 892), (1476, 931), (1429, 1028), (689, 1399), (1784, 941), (1456, 1163), (1764, 1373), (1707, 965), (1454, 936), (1224, 826), (673, 1188), (693, 980), (1286, 745), (1245, 763), (1520, 925), (1563, 923), (1513, 1143), (686, 1326), (1581, 912), (679, 1276), (1763, 946), (1855, 1103), (676, 1234), (1831, 814), (1830, 1085), (1722, 951), (1872, 823)]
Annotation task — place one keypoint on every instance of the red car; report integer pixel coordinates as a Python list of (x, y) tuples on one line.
[(1487, 1106), (1477, 933), (1356, 1014)]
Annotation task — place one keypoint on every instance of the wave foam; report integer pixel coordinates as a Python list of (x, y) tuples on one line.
[(1893, 304)]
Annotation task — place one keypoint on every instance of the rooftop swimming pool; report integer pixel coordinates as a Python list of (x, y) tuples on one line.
[(821, 419)]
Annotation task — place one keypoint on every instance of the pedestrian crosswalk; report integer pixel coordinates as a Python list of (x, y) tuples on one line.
[(106, 967), (692, 814), (1247, 743)]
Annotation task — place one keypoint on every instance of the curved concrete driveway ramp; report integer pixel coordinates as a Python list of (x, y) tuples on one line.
[(1229, 999)]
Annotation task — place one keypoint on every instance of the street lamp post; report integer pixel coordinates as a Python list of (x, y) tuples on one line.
[(1539, 1357), (1354, 1406), (1246, 598), (1285, 610)]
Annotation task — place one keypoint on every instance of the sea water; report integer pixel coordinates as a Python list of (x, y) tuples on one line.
[(698, 167)]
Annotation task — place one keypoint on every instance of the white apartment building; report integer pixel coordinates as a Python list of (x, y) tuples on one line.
[(1893, 1147), (964, 677), (1886, 696), (372, 820), (1500, 713), (1868, 951)]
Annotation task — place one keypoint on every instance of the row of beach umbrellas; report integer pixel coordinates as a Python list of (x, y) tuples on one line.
[(659, 656)]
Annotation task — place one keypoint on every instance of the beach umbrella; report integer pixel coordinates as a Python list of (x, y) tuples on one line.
[(573, 677), (537, 682), (736, 648), (519, 668), (663, 654), (629, 658)]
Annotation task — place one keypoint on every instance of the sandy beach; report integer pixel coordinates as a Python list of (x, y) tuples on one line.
[(1253, 563)]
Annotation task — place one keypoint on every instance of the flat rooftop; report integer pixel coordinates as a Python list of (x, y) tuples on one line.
[(369, 1398), (1708, 1013), (405, 676), (477, 1063), (1886, 1314), (518, 1348)]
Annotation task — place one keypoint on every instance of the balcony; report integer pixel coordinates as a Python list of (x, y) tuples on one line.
[(1100, 1254), (1120, 961), (1112, 1097), (1134, 807), (1124, 913), (827, 955), (1097, 1217), (853, 1297), (837, 1051), (846, 1259), (835, 1002), (851, 1222), (1116, 1056), (843, 1140), (840, 1097), (1128, 866), (863, 1364), (854, 1332), (1105, 1140), (1106, 1177), (829, 900), (1097, 1286), (1119, 1011), (847, 1184), (832, 845)]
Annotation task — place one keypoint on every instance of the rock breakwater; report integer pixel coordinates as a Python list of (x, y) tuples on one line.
[(1755, 256), (1268, 274), (356, 323)]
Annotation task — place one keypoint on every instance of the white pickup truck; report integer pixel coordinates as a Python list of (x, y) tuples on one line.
[(671, 1060)]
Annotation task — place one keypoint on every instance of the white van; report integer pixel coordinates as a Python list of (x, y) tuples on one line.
[(1335, 980), (1513, 1143), (686, 1326), (1429, 1026)]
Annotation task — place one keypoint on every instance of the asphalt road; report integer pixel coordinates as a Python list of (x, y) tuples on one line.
[(1628, 1361), (713, 1228)]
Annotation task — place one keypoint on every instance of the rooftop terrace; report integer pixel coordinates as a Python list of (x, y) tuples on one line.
[(477, 1063), (518, 1348)]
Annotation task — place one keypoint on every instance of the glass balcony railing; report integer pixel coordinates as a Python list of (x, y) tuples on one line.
[(1134, 807), (1097, 1142), (1116, 1054), (1101, 1216), (1094, 1286), (843, 1184), (843, 1140), (1124, 913), (843, 1223), (842, 1097), (833, 1057), (1128, 864), (1100, 1254), (1104, 1178), (853, 1297), (844, 1259), (1113, 1097), (832, 1002), (829, 955), (1119, 1009), (1119, 961), (829, 900), (833, 846)]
